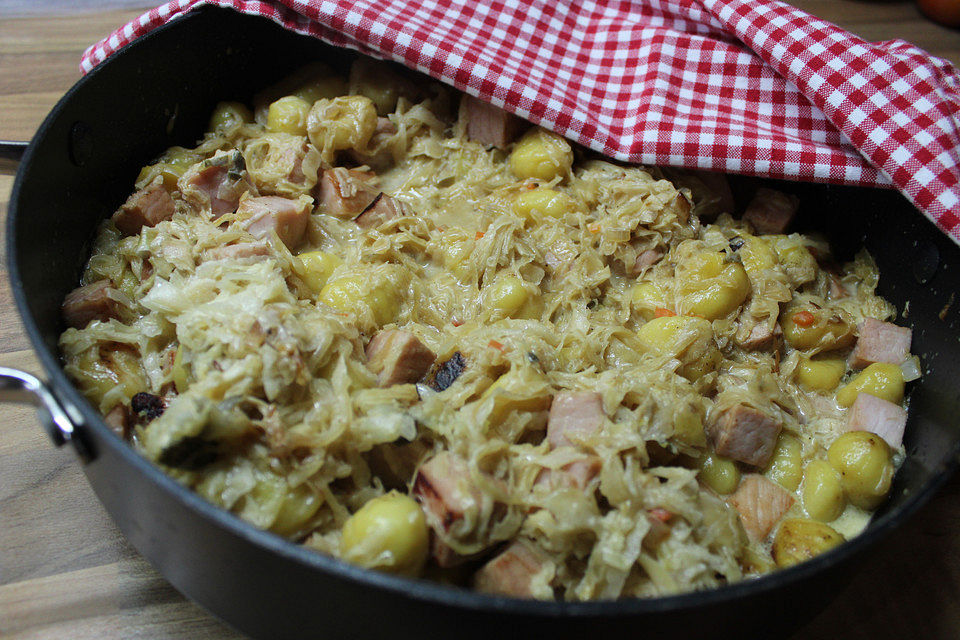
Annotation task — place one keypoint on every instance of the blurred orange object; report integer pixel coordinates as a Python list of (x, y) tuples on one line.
[(946, 12)]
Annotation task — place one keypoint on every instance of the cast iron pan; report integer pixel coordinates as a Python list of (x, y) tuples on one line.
[(159, 92)]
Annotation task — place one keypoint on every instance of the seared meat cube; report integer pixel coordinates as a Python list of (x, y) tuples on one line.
[(880, 342), (761, 503), (515, 572), (145, 208), (574, 413), (488, 124), (215, 185), (90, 302), (771, 211), (273, 214), (382, 209), (345, 193), (398, 357), (745, 434), (886, 419)]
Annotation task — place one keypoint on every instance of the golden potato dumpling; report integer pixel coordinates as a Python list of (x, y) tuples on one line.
[(388, 533), (227, 116), (709, 286), (799, 540), (821, 373), (822, 493), (880, 379), (864, 462), (542, 203), (786, 466), (646, 298), (317, 268), (808, 327), (511, 297), (719, 473), (688, 339), (350, 292), (542, 155), (288, 115)]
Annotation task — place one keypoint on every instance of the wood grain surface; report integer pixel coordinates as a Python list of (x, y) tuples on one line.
[(65, 570)]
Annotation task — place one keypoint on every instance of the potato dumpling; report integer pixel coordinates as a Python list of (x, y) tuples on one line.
[(688, 339), (345, 122), (866, 469), (320, 88), (350, 292), (170, 167), (388, 533), (786, 466), (799, 540), (709, 286), (646, 298), (880, 379), (511, 297), (795, 259), (808, 327), (822, 493), (719, 473), (757, 254), (821, 373), (540, 203), (317, 267), (542, 155), (288, 115), (227, 116)]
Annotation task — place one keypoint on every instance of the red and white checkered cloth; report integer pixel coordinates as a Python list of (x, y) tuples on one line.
[(744, 86)]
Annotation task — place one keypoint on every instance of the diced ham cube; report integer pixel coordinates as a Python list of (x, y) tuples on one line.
[(659, 531), (771, 211), (880, 342), (886, 419), (216, 184), (90, 302), (398, 357), (273, 214), (761, 503), (239, 251), (119, 421), (382, 209), (574, 416), (514, 571), (576, 475), (488, 124), (762, 337), (745, 434), (145, 208), (345, 193), (647, 259), (574, 413), (445, 491), (444, 488)]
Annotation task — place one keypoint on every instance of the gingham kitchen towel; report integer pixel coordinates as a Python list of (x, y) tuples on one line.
[(744, 86)]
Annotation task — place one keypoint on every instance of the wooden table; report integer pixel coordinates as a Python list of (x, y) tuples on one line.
[(65, 570)]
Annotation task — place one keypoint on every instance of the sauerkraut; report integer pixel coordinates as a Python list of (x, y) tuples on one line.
[(594, 380)]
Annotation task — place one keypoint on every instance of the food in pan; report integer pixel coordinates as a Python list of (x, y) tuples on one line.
[(402, 327)]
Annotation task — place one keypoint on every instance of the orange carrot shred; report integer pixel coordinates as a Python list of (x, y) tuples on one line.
[(662, 312), (804, 318), (661, 514), (496, 345), (480, 234)]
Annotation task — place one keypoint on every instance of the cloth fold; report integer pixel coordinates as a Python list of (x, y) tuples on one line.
[(744, 86)]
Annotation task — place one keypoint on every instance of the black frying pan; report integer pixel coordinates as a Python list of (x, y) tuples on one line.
[(159, 92)]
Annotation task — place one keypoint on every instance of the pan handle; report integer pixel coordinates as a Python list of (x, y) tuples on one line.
[(12, 150), (22, 387)]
